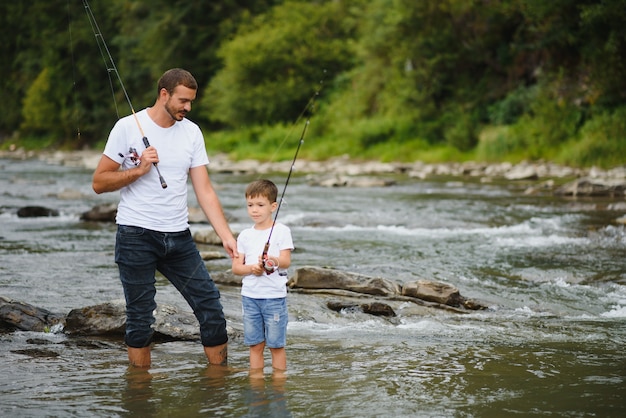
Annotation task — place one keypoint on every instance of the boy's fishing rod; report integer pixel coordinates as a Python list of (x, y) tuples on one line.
[(269, 265), (112, 68)]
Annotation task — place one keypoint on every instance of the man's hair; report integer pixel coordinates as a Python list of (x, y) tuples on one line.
[(175, 77), (263, 188)]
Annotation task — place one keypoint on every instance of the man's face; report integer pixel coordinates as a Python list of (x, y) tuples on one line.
[(179, 102)]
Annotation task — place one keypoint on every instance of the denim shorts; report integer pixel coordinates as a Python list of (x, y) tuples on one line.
[(265, 320), (139, 253)]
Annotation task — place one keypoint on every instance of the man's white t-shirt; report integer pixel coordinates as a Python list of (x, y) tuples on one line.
[(144, 203), (251, 243)]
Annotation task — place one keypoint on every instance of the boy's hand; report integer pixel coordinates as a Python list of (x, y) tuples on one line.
[(257, 269)]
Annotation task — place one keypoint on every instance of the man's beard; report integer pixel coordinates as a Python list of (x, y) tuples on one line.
[(178, 116)]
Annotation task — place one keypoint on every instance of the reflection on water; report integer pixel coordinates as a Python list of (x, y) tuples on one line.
[(204, 391), (552, 274), (138, 396), (267, 397), (459, 374)]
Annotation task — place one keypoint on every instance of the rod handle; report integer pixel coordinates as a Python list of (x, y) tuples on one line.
[(161, 179)]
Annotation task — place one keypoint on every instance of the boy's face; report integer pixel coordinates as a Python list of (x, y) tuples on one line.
[(260, 209)]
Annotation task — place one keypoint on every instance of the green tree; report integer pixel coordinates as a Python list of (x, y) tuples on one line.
[(603, 52), (275, 62), (11, 41), (40, 105), (156, 35), (401, 75), (437, 64)]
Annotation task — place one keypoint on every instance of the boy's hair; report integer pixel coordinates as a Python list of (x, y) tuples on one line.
[(263, 188), (175, 77)]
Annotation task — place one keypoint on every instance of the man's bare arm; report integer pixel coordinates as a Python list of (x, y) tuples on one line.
[(108, 178), (212, 208)]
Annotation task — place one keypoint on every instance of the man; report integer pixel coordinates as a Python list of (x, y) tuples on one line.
[(153, 230)]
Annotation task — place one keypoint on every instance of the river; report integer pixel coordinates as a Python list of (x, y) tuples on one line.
[(551, 270)]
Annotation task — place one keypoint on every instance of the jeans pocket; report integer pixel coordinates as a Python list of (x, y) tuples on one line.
[(131, 245)]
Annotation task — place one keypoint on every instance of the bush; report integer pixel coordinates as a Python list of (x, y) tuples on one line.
[(495, 144), (540, 133), (38, 109), (601, 142), (269, 143), (460, 128), (514, 105)]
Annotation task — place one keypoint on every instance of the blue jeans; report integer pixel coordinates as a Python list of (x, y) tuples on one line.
[(265, 320), (139, 252)]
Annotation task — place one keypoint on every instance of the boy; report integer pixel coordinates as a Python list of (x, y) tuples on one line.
[(264, 290)]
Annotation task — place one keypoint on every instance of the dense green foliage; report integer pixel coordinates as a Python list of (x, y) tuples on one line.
[(397, 79)]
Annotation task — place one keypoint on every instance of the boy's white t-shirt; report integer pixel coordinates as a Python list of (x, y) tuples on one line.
[(145, 203), (251, 243)]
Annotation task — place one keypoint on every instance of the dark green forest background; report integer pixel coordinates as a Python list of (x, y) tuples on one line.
[(398, 80)]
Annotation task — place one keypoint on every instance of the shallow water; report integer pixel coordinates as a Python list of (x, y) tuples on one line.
[(551, 270)]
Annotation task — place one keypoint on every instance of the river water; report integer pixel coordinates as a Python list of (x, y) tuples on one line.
[(551, 270)]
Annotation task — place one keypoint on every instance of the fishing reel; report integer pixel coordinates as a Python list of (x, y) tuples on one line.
[(269, 265)]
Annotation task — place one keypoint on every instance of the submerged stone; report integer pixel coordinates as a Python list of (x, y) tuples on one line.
[(36, 212)]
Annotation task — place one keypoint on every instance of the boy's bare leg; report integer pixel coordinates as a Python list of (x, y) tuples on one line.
[(217, 355), (279, 358), (256, 356), (139, 357)]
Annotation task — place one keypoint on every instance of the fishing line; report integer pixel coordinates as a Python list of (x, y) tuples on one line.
[(100, 41), (76, 111), (110, 66), (269, 265), (308, 106)]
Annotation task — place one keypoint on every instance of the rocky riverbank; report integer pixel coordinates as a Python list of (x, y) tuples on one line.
[(605, 187), (345, 166)]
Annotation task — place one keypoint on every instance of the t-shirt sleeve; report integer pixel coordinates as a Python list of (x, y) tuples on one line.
[(240, 245), (286, 241), (243, 246), (200, 156), (116, 143)]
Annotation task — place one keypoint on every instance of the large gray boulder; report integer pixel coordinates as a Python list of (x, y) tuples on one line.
[(324, 278), (15, 315), (105, 319), (347, 284), (109, 318), (438, 292)]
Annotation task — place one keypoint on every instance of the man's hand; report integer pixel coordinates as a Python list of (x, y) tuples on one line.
[(149, 157), (230, 245)]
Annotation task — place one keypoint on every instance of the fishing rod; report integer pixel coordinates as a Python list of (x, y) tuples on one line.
[(112, 68), (269, 265)]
